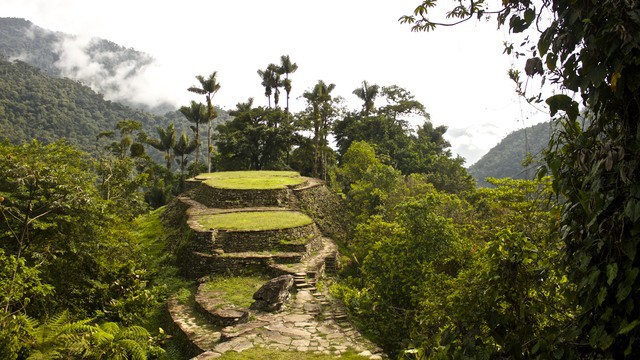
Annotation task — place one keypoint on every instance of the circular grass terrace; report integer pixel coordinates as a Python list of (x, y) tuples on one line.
[(252, 180), (255, 220)]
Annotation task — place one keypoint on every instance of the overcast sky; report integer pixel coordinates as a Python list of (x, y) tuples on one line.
[(459, 73)]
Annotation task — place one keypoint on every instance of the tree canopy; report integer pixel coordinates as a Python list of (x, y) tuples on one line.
[(592, 49)]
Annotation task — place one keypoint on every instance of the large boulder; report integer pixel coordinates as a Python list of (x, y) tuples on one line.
[(272, 295)]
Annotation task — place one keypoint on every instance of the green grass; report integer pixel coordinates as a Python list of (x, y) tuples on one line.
[(252, 180), (255, 220), (237, 290), (154, 239), (272, 354)]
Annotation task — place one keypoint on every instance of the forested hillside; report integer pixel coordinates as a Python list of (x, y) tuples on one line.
[(103, 66), (506, 159), (37, 106)]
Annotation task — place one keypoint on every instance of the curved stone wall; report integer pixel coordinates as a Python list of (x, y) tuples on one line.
[(244, 241), (233, 199)]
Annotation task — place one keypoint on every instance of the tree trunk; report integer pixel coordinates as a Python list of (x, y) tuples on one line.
[(209, 145), (209, 119), (197, 145)]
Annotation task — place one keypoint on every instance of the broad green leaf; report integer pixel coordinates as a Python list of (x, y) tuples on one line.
[(612, 272), (564, 103), (629, 327), (601, 296), (632, 210), (551, 61), (623, 292)]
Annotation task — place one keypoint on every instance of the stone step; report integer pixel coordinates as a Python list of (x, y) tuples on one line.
[(199, 332), (278, 257), (311, 266)]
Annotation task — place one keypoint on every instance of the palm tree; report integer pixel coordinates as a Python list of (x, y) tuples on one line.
[(272, 83), (368, 94), (197, 114), (320, 100), (165, 142), (287, 67), (209, 87), (181, 149)]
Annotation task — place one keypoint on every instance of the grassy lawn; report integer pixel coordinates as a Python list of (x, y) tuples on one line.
[(255, 220), (272, 354), (238, 290), (252, 180)]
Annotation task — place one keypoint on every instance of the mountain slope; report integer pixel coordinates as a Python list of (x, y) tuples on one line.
[(505, 159), (100, 64), (37, 106)]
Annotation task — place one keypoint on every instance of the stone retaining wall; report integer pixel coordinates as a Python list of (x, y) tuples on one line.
[(201, 265), (263, 240), (203, 241), (233, 199), (324, 207)]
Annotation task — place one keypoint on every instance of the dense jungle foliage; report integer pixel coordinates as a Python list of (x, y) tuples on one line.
[(433, 267), (591, 51)]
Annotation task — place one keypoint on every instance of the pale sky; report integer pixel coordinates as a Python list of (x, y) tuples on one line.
[(459, 73)]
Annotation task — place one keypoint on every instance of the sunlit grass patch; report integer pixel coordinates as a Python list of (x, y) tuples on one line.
[(255, 220), (273, 354), (237, 290), (252, 180)]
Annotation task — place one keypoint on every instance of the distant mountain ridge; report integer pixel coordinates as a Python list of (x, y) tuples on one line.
[(98, 63), (37, 100), (36, 106), (505, 159)]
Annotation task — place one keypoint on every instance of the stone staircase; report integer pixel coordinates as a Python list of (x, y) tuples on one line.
[(311, 320)]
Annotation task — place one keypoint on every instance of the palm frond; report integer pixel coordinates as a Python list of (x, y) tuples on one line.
[(196, 90)]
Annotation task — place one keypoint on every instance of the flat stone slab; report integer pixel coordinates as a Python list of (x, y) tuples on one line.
[(230, 332), (289, 331), (297, 318)]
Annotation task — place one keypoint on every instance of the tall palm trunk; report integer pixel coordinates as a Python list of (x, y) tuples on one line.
[(197, 145), (209, 119)]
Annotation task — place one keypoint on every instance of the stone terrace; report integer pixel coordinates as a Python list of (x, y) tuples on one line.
[(311, 320)]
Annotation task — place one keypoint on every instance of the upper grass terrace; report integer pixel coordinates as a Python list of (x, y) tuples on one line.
[(255, 220), (252, 180)]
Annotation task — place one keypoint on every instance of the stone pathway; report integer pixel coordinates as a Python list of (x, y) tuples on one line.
[(310, 323)]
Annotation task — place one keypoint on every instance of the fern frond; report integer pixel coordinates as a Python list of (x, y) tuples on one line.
[(100, 338), (134, 333), (110, 327), (133, 349)]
